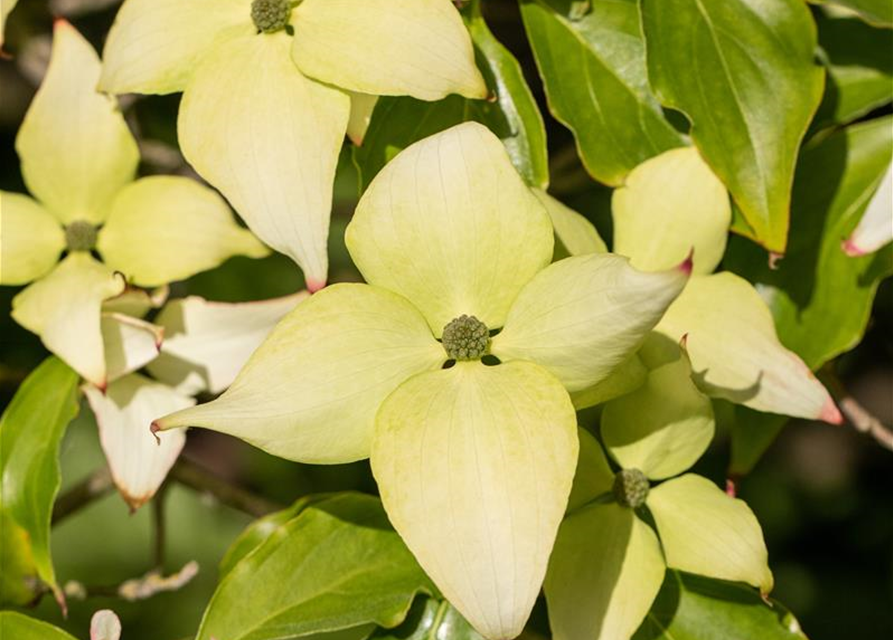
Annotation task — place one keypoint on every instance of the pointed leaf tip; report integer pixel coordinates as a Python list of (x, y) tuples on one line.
[(850, 248), (315, 285), (687, 265), (830, 413)]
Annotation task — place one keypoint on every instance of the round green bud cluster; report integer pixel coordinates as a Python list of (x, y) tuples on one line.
[(270, 15), (631, 488), (80, 236), (466, 338)]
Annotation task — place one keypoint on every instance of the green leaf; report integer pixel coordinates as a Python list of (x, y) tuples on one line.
[(835, 181), (690, 607), (15, 626), (430, 619), (876, 12), (30, 432), (860, 69), (397, 122), (337, 565), (18, 581), (593, 70), (743, 73)]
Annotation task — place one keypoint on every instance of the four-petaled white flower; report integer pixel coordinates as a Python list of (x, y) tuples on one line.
[(474, 462)]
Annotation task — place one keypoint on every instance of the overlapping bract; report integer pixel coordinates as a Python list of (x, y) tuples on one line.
[(448, 228), (79, 163), (264, 115)]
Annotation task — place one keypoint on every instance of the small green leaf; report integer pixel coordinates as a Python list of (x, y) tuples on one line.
[(430, 619), (337, 565), (691, 607), (15, 626), (875, 12), (743, 73), (593, 69), (860, 69), (18, 580), (30, 432), (513, 116)]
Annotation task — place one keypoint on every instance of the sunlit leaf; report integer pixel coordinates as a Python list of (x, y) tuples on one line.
[(31, 429), (743, 72), (334, 566), (875, 12), (593, 70), (21, 627)]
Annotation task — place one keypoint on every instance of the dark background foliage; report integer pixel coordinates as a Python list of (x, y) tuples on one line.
[(822, 493)]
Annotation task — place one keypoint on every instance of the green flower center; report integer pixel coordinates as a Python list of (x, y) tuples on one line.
[(270, 15), (80, 235), (466, 338), (631, 488)]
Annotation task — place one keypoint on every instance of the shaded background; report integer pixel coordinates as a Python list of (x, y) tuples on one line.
[(823, 494)]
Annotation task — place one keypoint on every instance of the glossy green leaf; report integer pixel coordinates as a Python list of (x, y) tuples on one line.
[(334, 566), (30, 432), (593, 70), (691, 607), (430, 619), (743, 73), (835, 181), (16, 626), (18, 580), (860, 73), (397, 122), (875, 12)]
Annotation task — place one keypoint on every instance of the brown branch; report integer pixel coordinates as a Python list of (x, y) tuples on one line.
[(97, 485), (858, 416), (200, 479)]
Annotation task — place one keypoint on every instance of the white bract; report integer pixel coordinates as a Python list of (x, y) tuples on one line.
[(79, 161), (474, 462), (264, 109)]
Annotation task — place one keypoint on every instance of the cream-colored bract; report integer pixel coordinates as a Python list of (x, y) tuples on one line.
[(124, 413), (474, 462), (361, 107), (875, 228), (474, 465), (670, 205), (311, 391), (6, 7), (577, 235), (207, 343), (705, 531), (166, 228), (128, 343), (155, 45), (552, 320), (450, 225), (664, 426), (75, 148), (387, 47), (735, 352), (268, 138), (626, 378), (104, 625), (63, 308), (605, 572), (30, 239)]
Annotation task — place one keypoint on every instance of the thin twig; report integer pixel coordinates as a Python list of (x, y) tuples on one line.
[(857, 415), (97, 485), (134, 589), (197, 477), (159, 528)]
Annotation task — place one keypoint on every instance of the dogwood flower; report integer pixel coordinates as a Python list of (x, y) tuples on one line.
[(608, 564), (668, 205), (264, 110), (474, 462), (79, 160)]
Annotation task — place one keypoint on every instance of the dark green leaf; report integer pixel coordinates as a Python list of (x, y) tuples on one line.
[(15, 626), (593, 70), (876, 12), (860, 69), (820, 298), (743, 72), (337, 565), (30, 432), (428, 619), (691, 607), (513, 115)]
